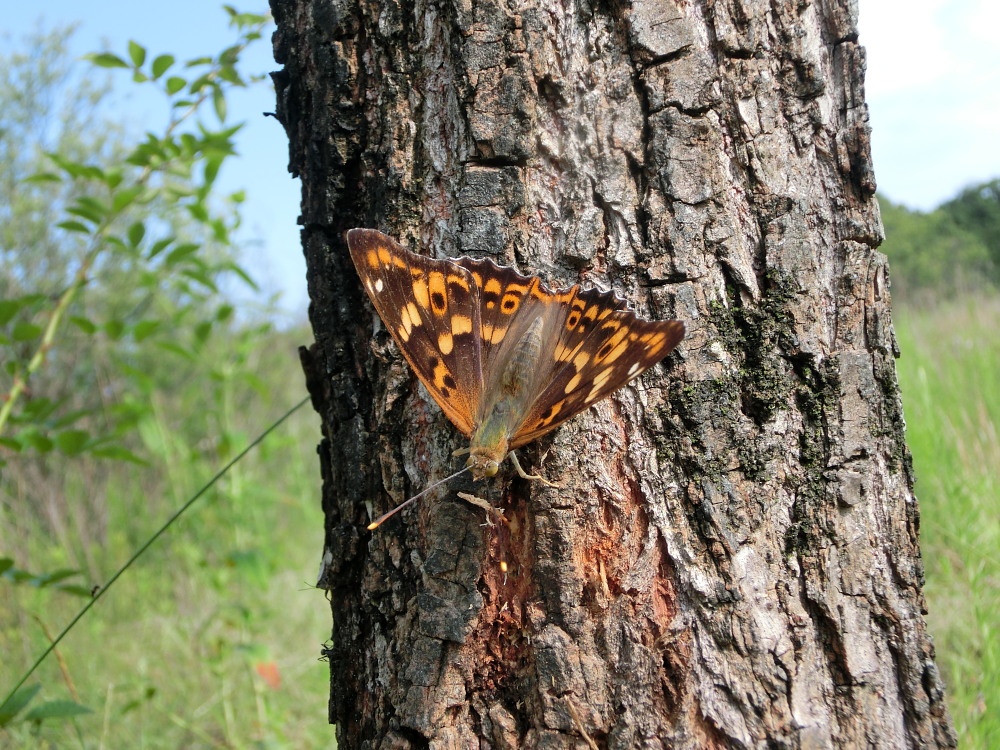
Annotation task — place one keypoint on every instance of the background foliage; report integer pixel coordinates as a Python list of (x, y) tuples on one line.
[(129, 378), (134, 378)]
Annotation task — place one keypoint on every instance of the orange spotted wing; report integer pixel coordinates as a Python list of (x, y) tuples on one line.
[(465, 325)]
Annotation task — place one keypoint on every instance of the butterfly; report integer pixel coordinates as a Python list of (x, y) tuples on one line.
[(506, 359)]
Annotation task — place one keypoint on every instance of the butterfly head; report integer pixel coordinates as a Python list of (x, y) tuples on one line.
[(484, 462)]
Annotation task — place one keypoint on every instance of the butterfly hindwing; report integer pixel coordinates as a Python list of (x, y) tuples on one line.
[(594, 344), (507, 303), (601, 347), (431, 309)]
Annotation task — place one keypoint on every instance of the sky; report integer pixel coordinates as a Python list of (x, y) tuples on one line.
[(932, 86)]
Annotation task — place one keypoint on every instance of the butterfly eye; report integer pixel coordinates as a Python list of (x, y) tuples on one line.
[(489, 469)]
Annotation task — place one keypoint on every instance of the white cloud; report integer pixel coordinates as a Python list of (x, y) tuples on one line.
[(933, 88)]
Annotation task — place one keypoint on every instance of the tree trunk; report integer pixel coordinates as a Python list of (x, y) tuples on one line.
[(732, 557)]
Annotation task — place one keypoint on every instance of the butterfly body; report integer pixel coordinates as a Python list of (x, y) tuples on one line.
[(505, 358), (501, 415)]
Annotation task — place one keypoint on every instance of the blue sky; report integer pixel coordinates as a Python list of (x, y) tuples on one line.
[(933, 87)]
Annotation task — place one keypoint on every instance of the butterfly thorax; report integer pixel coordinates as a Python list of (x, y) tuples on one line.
[(505, 404)]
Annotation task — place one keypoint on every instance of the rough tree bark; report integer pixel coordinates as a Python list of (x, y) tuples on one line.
[(732, 558)]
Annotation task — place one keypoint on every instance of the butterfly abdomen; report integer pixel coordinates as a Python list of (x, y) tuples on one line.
[(503, 414), (523, 363)]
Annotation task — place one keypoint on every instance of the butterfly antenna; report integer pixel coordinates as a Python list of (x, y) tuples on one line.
[(378, 521)]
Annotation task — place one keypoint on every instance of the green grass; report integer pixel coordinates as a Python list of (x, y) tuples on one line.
[(170, 658), (949, 374), (173, 656)]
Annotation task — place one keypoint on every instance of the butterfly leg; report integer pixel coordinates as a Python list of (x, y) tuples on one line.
[(491, 511), (525, 475)]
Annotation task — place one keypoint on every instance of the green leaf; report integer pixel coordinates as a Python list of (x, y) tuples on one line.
[(39, 409), (203, 330), (84, 324), (106, 60), (198, 212), (116, 241), (181, 252), (239, 271), (39, 442), (147, 695), (57, 576), (74, 226), (212, 165), (135, 233), (174, 348), (65, 419), (84, 213), (199, 83), (190, 144), (118, 453), (114, 329), (89, 208), (56, 710), (159, 246), (25, 331), (229, 74), (19, 576), (161, 64), (11, 443), (70, 167), (72, 442), (5, 564), (8, 309), (139, 77), (144, 329), (230, 55), (125, 197), (202, 278), (43, 177), (76, 590), (113, 177), (137, 52), (16, 703), (175, 84), (93, 172)]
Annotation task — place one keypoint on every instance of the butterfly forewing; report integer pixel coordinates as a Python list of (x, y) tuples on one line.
[(600, 348), (507, 306), (431, 308)]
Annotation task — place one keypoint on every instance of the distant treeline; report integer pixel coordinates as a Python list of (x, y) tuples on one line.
[(951, 250)]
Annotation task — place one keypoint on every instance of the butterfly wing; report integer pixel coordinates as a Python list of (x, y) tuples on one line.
[(508, 304), (593, 345), (600, 347), (431, 308)]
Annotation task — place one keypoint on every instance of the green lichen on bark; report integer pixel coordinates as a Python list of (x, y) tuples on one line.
[(816, 396), (758, 335)]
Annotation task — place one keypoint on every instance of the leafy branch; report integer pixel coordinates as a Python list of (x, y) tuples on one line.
[(106, 198)]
